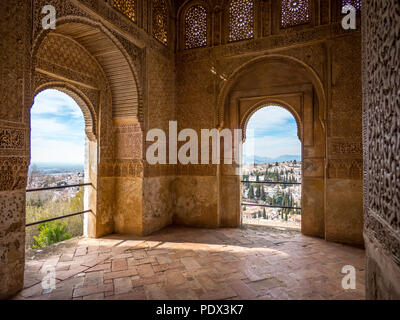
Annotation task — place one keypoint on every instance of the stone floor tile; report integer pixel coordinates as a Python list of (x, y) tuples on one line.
[(185, 263), (155, 292), (122, 285), (86, 291), (120, 274)]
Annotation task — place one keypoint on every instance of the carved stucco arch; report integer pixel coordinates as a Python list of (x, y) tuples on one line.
[(89, 113), (99, 26), (223, 95), (269, 103)]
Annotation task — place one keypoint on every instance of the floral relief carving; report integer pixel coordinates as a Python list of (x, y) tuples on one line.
[(12, 138), (13, 173), (381, 120)]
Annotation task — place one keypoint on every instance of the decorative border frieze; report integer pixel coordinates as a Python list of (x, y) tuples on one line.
[(376, 228), (344, 148), (121, 169), (345, 169)]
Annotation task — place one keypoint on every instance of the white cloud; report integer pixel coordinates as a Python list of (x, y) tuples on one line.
[(44, 150), (272, 132), (57, 103), (272, 146), (57, 129), (270, 118)]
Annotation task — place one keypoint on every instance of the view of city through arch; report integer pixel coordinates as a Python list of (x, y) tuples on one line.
[(57, 160), (271, 171)]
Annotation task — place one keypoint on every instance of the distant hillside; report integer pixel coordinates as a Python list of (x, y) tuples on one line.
[(48, 167), (282, 158)]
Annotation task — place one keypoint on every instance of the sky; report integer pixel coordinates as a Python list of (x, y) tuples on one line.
[(271, 132), (58, 134), (57, 129)]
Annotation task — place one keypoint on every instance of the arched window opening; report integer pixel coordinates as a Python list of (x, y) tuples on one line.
[(271, 170), (241, 20), (295, 12), (127, 7), (58, 147), (160, 21), (355, 3), (196, 27)]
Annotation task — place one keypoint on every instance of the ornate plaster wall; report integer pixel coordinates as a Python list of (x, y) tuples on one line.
[(381, 135), (15, 77), (330, 63), (130, 83), (124, 81)]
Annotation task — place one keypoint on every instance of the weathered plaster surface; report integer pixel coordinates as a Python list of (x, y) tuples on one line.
[(381, 137)]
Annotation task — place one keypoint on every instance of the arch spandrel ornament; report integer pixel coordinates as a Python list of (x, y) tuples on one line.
[(309, 73)]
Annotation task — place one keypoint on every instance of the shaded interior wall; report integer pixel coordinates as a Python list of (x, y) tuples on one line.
[(63, 64), (334, 56), (343, 219), (381, 134), (158, 199), (143, 201), (196, 186), (15, 68), (271, 80), (135, 194)]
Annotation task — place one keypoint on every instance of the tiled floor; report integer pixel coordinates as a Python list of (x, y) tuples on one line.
[(185, 263)]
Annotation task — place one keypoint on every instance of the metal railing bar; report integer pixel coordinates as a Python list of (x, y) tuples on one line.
[(273, 182), (59, 187), (268, 206), (57, 218)]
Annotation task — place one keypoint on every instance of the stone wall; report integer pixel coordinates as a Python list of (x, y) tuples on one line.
[(145, 84), (124, 81), (328, 59), (381, 134), (158, 200), (15, 66)]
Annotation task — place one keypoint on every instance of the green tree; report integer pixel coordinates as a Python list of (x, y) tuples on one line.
[(51, 232), (258, 192), (251, 192), (263, 195)]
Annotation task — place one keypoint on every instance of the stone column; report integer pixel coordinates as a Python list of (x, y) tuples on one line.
[(343, 215), (15, 75)]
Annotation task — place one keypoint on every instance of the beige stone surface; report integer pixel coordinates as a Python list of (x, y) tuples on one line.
[(128, 207), (196, 205)]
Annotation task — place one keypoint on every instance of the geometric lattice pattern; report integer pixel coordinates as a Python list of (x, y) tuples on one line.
[(160, 20), (295, 12), (196, 27), (355, 3), (241, 20), (127, 7)]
